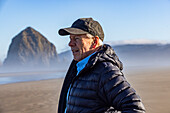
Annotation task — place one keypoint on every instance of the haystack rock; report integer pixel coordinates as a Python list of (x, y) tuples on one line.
[(30, 49)]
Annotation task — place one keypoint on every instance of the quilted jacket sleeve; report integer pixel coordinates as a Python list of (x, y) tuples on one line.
[(117, 92)]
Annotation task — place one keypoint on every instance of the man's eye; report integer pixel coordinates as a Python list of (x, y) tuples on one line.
[(76, 38)]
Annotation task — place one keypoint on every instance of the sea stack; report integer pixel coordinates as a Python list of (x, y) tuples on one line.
[(30, 49)]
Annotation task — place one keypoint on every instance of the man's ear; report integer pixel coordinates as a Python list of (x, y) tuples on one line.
[(96, 41)]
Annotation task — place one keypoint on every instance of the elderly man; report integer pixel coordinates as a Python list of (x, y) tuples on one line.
[(94, 82)]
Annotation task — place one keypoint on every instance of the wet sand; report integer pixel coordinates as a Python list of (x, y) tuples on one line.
[(153, 86), (30, 97)]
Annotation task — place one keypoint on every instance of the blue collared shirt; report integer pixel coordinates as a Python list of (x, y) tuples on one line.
[(80, 65)]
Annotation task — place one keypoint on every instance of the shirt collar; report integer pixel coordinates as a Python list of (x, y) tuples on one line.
[(81, 64)]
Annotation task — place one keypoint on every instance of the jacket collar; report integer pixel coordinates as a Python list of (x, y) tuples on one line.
[(105, 53)]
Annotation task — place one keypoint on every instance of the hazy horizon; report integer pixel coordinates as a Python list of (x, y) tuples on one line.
[(112, 43)]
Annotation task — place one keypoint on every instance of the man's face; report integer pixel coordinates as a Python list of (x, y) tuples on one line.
[(81, 46)]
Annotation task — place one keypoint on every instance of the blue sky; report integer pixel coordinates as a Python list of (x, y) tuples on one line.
[(122, 20)]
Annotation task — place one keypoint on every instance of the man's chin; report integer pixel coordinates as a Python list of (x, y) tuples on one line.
[(77, 59)]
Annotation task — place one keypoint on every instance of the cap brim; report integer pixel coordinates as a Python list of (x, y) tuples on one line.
[(68, 31)]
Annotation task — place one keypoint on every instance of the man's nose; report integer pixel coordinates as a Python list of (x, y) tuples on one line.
[(71, 43)]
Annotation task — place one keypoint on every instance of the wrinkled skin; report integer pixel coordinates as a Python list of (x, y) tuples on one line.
[(81, 46)]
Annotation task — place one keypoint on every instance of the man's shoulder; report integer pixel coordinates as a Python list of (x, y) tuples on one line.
[(107, 65), (103, 67)]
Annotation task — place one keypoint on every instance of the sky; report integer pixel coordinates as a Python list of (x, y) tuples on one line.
[(123, 21)]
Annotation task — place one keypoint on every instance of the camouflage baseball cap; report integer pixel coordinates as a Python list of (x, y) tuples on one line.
[(84, 26)]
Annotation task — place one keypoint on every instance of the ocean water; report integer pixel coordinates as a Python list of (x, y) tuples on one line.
[(7, 78)]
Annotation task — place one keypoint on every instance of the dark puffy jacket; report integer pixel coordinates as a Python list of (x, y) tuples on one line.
[(100, 87)]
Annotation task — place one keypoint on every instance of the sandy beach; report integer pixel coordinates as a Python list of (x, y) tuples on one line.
[(153, 86), (30, 97)]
